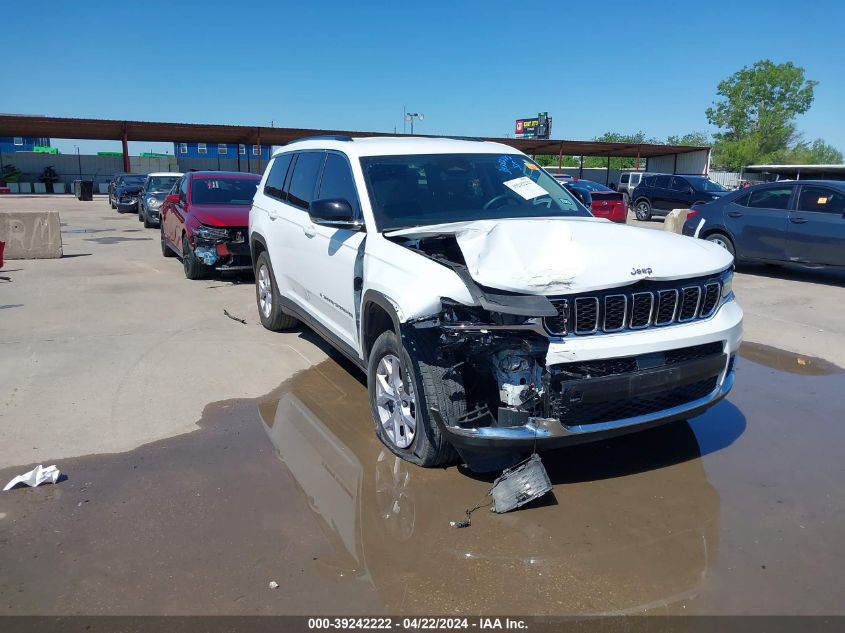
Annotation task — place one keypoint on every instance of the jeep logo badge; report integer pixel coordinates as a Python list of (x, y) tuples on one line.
[(640, 271)]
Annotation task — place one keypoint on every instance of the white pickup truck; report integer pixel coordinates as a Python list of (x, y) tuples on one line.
[(491, 312)]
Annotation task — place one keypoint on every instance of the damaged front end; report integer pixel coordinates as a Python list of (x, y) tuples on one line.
[(524, 389), (223, 248)]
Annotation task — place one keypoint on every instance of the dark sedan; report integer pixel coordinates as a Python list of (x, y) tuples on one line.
[(126, 190), (796, 221)]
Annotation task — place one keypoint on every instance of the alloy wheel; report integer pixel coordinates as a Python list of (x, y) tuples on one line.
[(395, 402), (265, 292)]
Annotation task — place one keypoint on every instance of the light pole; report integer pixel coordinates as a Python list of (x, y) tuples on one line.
[(78, 161), (410, 116)]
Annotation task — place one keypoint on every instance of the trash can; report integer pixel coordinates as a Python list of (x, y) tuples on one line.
[(86, 189)]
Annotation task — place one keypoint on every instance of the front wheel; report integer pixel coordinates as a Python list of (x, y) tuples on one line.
[(402, 388), (642, 209), (194, 268), (166, 251)]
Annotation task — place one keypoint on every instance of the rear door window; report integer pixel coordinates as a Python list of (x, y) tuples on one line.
[(821, 199), (661, 182), (303, 181), (771, 198), (679, 184), (275, 185), (624, 178)]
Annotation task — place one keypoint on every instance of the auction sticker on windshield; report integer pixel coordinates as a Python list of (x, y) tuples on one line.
[(525, 187)]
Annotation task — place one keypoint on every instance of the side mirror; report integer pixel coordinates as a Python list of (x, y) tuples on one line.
[(172, 197), (334, 212)]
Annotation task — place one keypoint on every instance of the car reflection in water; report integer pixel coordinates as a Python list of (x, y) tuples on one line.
[(631, 526)]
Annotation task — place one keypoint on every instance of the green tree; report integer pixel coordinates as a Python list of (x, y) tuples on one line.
[(816, 153), (697, 139), (756, 112)]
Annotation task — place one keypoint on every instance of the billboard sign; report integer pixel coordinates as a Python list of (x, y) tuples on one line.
[(539, 126)]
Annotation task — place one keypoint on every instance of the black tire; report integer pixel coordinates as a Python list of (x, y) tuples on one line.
[(434, 386), (194, 268), (273, 319), (140, 212), (111, 203), (166, 251), (722, 240), (642, 209)]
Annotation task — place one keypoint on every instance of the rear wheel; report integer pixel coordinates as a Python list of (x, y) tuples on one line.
[(140, 212), (722, 240), (642, 209), (402, 386), (194, 268), (166, 251), (268, 299)]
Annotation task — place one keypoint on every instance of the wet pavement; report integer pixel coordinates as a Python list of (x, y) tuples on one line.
[(739, 511)]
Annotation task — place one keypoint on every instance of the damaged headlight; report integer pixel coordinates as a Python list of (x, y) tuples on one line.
[(211, 233), (153, 202), (727, 285)]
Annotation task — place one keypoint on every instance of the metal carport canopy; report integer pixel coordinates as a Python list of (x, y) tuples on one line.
[(112, 129)]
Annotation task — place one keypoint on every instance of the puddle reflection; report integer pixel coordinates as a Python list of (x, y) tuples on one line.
[(789, 362), (635, 526)]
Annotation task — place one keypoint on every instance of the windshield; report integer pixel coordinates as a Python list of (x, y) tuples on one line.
[(223, 190), (161, 183), (423, 189), (133, 180), (704, 184)]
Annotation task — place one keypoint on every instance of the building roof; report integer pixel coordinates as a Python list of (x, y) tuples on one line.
[(111, 129), (775, 169)]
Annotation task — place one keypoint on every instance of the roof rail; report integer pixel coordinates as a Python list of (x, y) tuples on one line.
[(325, 137), (464, 138)]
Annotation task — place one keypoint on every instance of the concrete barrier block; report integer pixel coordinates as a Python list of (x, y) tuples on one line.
[(31, 235), (675, 220), (25, 187), (59, 187), (103, 187), (39, 187), (14, 187)]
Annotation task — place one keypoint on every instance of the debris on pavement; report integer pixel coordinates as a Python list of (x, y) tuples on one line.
[(515, 487), (35, 477), (273, 584), (234, 318), (518, 485)]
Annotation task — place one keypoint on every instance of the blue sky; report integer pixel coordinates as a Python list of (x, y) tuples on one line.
[(470, 67)]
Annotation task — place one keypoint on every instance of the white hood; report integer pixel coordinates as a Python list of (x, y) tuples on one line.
[(552, 256)]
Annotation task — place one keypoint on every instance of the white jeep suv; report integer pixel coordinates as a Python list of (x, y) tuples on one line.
[(491, 312)]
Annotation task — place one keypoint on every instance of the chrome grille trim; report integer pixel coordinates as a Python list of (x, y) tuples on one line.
[(583, 328), (717, 295), (624, 312), (634, 299), (660, 307), (683, 308)]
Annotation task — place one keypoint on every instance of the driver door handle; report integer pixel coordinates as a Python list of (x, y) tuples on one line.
[(309, 230), (798, 220), (734, 214)]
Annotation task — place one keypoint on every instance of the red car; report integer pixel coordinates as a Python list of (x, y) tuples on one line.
[(603, 202), (205, 221)]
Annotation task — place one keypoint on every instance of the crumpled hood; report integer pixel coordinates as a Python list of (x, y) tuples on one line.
[(551, 256), (221, 214)]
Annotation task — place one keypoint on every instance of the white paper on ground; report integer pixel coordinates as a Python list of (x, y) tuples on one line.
[(525, 187), (35, 477)]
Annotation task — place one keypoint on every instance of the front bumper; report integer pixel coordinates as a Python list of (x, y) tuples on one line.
[(723, 329), (224, 254), (127, 204)]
